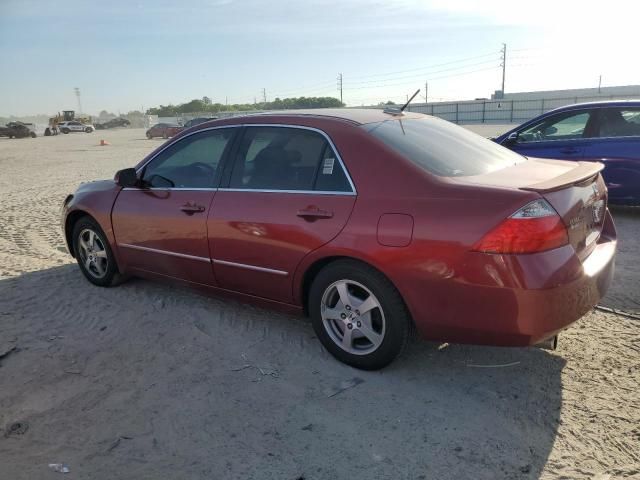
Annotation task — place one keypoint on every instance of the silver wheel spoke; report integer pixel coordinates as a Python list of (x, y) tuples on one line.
[(99, 267), (345, 298), (101, 254), (347, 339), (92, 239), (334, 313), (83, 244), (369, 304), (87, 264), (368, 332)]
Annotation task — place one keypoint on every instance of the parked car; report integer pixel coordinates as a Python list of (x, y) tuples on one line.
[(197, 121), (607, 132), (369, 222), (17, 130), (164, 130), (75, 126), (113, 123)]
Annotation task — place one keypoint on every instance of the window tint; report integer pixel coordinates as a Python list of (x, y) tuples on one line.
[(442, 148), (191, 162), (331, 176), (565, 126), (617, 122), (277, 158)]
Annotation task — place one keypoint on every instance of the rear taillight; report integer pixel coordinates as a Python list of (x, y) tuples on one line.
[(536, 227)]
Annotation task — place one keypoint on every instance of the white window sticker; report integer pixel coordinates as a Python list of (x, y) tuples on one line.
[(327, 167)]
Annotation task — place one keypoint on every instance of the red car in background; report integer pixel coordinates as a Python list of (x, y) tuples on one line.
[(370, 222), (164, 130)]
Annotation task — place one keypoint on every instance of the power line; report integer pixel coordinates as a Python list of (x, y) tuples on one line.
[(425, 67), (411, 83), (430, 73)]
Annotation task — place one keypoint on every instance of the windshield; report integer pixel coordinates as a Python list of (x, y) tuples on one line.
[(442, 148)]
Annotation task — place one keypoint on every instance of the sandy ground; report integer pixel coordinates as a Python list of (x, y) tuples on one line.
[(149, 381)]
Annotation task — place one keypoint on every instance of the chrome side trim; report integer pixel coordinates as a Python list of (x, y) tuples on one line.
[(165, 252), (250, 267), (304, 192)]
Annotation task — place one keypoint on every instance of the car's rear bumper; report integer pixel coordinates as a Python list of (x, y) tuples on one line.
[(544, 294)]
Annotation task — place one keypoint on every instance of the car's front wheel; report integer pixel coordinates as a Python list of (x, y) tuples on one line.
[(149, 136), (88, 130), (93, 253), (65, 130), (358, 315)]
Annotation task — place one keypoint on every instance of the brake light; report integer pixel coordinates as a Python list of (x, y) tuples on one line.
[(536, 227)]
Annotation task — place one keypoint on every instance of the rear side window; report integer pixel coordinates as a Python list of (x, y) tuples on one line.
[(619, 122), (442, 148), (282, 158)]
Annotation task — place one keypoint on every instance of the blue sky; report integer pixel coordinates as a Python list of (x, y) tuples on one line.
[(126, 55)]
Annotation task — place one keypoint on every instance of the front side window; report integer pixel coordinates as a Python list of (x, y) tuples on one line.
[(280, 158), (619, 122), (442, 148), (565, 126), (192, 162)]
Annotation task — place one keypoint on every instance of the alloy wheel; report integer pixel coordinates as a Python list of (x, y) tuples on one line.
[(93, 253), (352, 317)]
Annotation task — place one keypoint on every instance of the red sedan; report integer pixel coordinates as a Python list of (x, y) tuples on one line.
[(164, 130), (369, 222)]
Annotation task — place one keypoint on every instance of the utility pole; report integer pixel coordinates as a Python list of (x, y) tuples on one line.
[(599, 83), (264, 95), (340, 86), (426, 92), (504, 65), (77, 92)]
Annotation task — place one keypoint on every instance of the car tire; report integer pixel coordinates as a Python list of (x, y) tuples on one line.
[(149, 136), (164, 135), (88, 130), (33, 135), (375, 337), (65, 130), (93, 253)]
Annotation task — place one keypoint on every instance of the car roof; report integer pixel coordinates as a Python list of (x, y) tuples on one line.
[(357, 116), (599, 103)]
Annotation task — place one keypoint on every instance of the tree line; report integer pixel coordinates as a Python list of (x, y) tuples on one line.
[(205, 105)]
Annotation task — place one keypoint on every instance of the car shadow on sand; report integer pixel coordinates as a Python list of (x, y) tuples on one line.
[(148, 380)]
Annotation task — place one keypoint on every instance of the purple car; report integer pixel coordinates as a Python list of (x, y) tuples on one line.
[(607, 132)]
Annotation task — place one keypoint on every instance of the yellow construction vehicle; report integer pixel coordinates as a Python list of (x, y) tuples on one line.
[(67, 116)]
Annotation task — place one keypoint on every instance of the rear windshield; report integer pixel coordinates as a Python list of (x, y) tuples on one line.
[(442, 148)]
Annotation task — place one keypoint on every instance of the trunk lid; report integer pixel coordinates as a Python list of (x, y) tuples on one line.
[(574, 189)]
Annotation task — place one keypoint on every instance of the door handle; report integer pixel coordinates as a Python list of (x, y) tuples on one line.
[(569, 150), (190, 208), (314, 212)]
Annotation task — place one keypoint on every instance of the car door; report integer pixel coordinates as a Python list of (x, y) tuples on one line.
[(286, 193), (617, 145), (161, 227), (561, 136), (75, 126)]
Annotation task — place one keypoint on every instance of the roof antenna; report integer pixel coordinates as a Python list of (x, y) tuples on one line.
[(399, 111), (409, 101)]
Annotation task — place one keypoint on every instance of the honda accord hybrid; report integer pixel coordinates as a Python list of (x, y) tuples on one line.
[(372, 223)]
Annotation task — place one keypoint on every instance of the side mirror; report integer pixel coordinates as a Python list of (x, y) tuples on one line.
[(511, 139), (126, 178)]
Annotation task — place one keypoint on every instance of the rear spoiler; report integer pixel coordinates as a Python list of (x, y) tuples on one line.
[(582, 172)]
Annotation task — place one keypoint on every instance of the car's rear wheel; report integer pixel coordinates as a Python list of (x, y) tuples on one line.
[(93, 253), (358, 315), (88, 130), (65, 130)]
